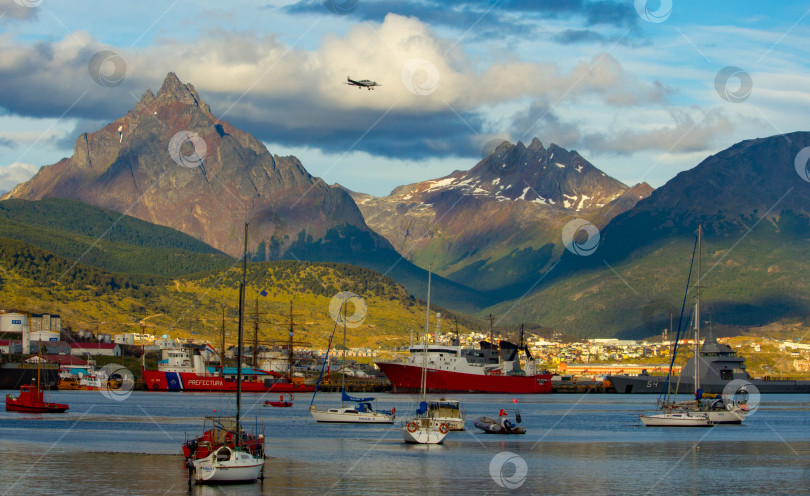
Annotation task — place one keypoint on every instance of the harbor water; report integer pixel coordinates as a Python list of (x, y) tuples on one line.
[(575, 444)]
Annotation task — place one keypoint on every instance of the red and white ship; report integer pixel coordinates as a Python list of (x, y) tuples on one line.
[(453, 369), (180, 372)]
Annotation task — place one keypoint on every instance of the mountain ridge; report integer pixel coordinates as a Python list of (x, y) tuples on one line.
[(497, 225), (171, 162)]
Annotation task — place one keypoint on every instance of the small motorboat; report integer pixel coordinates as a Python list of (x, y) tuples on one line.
[(500, 425), (280, 403)]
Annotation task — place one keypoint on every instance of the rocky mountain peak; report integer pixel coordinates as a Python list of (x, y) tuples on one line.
[(129, 166), (536, 145), (173, 90)]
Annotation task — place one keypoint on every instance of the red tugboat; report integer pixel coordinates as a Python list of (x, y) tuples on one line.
[(31, 398)]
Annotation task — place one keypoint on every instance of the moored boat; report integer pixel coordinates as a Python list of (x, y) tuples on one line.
[(32, 400), (451, 368), (363, 412), (422, 429), (501, 425), (179, 371), (281, 403), (444, 411), (226, 452), (680, 418)]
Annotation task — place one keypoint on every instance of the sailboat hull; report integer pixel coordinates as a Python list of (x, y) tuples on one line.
[(350, 416), (423, 431), (239, 467), (684, 419)]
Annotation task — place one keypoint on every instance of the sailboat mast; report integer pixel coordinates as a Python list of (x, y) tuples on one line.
[(290, 345), (256, 336), (423, 385), (39, 359), (222, 353), (343, 361), (240, 339), (697, 316)]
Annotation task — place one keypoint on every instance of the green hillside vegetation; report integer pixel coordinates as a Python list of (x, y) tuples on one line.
[(106, 239), (761, 280), (34, 280)]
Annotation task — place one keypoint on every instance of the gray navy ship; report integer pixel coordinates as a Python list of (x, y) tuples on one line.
[(719, 365)]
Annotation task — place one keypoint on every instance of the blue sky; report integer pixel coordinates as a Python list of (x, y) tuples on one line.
[(636, 97)]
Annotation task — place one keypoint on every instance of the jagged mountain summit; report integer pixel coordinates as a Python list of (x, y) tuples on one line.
[(753, 201), (127, 166), (499, 223), (553, 176), (171, 161)]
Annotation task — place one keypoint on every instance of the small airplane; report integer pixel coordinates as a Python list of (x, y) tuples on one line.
[(363, 83)]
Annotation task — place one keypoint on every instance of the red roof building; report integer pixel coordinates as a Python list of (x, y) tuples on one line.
[(65, 360)]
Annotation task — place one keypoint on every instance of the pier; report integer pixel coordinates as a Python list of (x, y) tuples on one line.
[(582, 387), (358, 386)]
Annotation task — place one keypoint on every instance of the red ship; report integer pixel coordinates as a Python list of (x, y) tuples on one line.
[(179, 372), (453, 369), (32, 400)]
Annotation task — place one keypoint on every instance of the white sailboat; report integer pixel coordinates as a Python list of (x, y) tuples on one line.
[(227, 453), (675, 414), (678, 418), (362, 412), (716, 410), (423, 429)]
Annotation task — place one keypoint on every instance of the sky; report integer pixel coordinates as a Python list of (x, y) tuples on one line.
[(642, 89)]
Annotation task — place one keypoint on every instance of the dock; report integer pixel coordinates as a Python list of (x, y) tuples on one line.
[(581, 387), (358, 386)]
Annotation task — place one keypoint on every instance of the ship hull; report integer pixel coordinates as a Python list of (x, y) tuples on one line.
[(627, 384), (13, 405), (12, 376), (157, 380), (406, 379)]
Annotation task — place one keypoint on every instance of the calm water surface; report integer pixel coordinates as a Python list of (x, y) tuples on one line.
[(576, 444)]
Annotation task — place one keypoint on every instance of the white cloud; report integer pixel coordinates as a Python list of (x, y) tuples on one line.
[(14, 174)]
